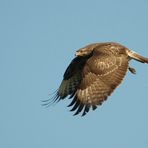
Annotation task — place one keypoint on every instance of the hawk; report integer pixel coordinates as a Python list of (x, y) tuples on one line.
[(94, 74)]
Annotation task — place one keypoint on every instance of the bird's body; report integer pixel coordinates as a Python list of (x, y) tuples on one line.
[(94, 74)]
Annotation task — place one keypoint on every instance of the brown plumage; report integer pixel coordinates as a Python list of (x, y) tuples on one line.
[(94, 74)]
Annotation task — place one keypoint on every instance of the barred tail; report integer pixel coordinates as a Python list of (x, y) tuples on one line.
[(137, 57)]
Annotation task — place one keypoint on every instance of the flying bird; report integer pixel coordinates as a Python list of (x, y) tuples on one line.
[(94, 74)]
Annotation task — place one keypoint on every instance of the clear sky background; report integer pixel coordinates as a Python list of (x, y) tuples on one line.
[(38, 39)]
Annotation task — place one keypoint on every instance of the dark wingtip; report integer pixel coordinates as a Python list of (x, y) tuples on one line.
[(56, 98), (72, 102), (76, 105), (80, 108), (86, 110), (94, 107)]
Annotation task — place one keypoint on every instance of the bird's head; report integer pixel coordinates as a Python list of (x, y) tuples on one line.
[(84, 51)]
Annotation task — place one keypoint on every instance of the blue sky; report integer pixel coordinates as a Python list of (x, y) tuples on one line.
[(38, 41)]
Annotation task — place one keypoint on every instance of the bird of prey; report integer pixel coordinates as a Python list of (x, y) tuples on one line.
[(94, 74)]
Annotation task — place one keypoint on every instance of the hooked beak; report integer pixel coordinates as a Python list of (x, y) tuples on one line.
[(77, 54)]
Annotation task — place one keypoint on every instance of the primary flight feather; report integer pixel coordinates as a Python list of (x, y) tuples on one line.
[(94, 74)]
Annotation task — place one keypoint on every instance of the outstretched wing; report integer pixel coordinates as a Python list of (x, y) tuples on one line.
[(71, 80), (102, 73)]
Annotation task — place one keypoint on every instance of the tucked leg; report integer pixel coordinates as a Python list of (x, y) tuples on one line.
[(132, 70)]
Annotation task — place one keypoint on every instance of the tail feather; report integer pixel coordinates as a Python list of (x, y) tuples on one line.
[(137, 57)]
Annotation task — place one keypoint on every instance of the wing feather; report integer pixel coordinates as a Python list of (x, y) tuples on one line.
[(103, 75)]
